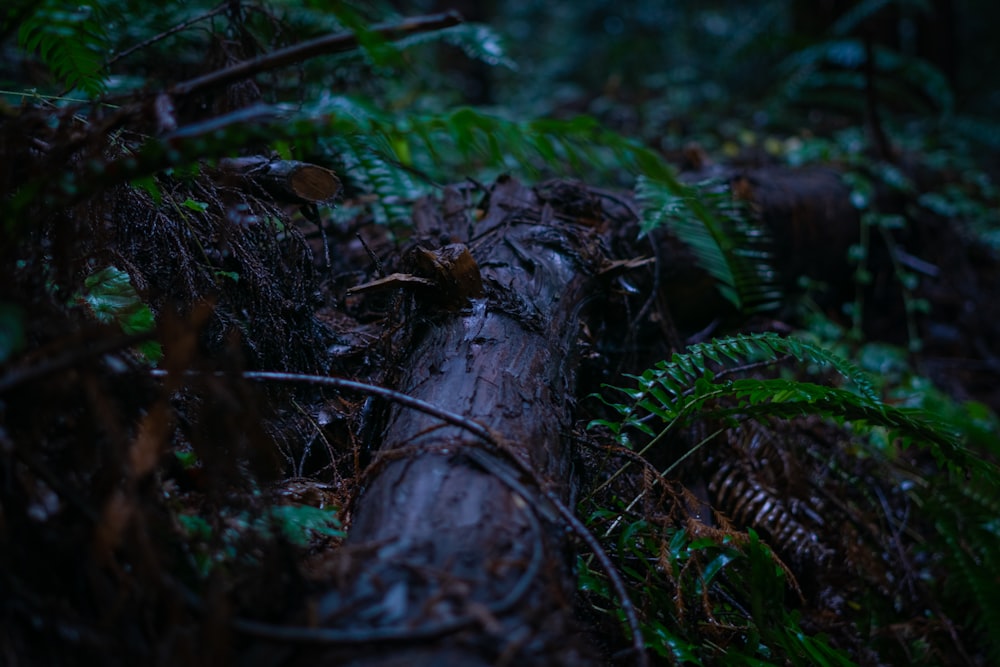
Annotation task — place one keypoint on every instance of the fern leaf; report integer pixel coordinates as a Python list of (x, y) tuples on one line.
[(375, 169), (728, 246), (477, 40), (862, 11), (967, 522), (71, 42), (762, 347), (687, 386)]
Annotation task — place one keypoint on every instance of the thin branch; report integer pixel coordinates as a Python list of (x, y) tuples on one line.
[(452, 418), (550, 504), (87, 350), (325, 45), (166, 33), (617, 582)]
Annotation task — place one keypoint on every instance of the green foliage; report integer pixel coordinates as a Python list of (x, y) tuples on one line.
[(961, 507), (854, 17), (375, 169), (692, 385), (476, 40), (831, 74), (300, 525), (889, 366), (395, 141), (966, 518), (380, 153), (718, 230), (71, 40), (395, 155), (708, 598), (112, 299)]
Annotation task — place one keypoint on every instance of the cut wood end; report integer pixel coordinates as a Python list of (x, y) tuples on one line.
[(287, 180), (314, 184)]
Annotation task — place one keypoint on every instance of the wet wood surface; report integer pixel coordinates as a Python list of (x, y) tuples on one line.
[(464, 565)]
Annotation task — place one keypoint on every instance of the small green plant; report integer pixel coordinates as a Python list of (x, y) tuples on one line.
[(707, 596), (109, 295), (71, 41), (299, 525), (731, 574)]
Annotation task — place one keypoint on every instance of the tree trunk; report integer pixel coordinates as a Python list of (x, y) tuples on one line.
[(462, 562)]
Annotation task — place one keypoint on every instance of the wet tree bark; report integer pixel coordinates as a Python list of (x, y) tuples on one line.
[(463, 561)]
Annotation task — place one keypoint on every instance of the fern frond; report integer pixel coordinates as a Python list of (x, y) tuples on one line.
[(965, 517), (477, 40), (71, 41), (683, 369), (727, 244), (687, 387), (862, 11), (371, 168), (823, 69)]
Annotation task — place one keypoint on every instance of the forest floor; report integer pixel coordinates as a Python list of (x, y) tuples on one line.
[(161, 503)]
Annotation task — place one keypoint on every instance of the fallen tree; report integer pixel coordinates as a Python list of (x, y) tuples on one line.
[(466, 559)]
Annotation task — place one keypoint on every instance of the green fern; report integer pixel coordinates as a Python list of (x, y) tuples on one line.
[(684, 585), (966, 517), (853, 18), (727, 244), (476, 40), (71, 41), (373, 168), (689, 386), (824, 70)]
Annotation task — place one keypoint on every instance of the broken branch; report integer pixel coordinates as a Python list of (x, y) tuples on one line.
[(325, 45)]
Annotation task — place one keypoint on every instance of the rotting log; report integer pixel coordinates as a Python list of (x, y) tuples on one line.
[(455, 555), (463, 561)]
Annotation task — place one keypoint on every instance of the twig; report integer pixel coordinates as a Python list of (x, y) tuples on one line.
[(325, 45), (617, 583), (88, 350), (490, 464), (167, 33), (452, 418), (321, 635)]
